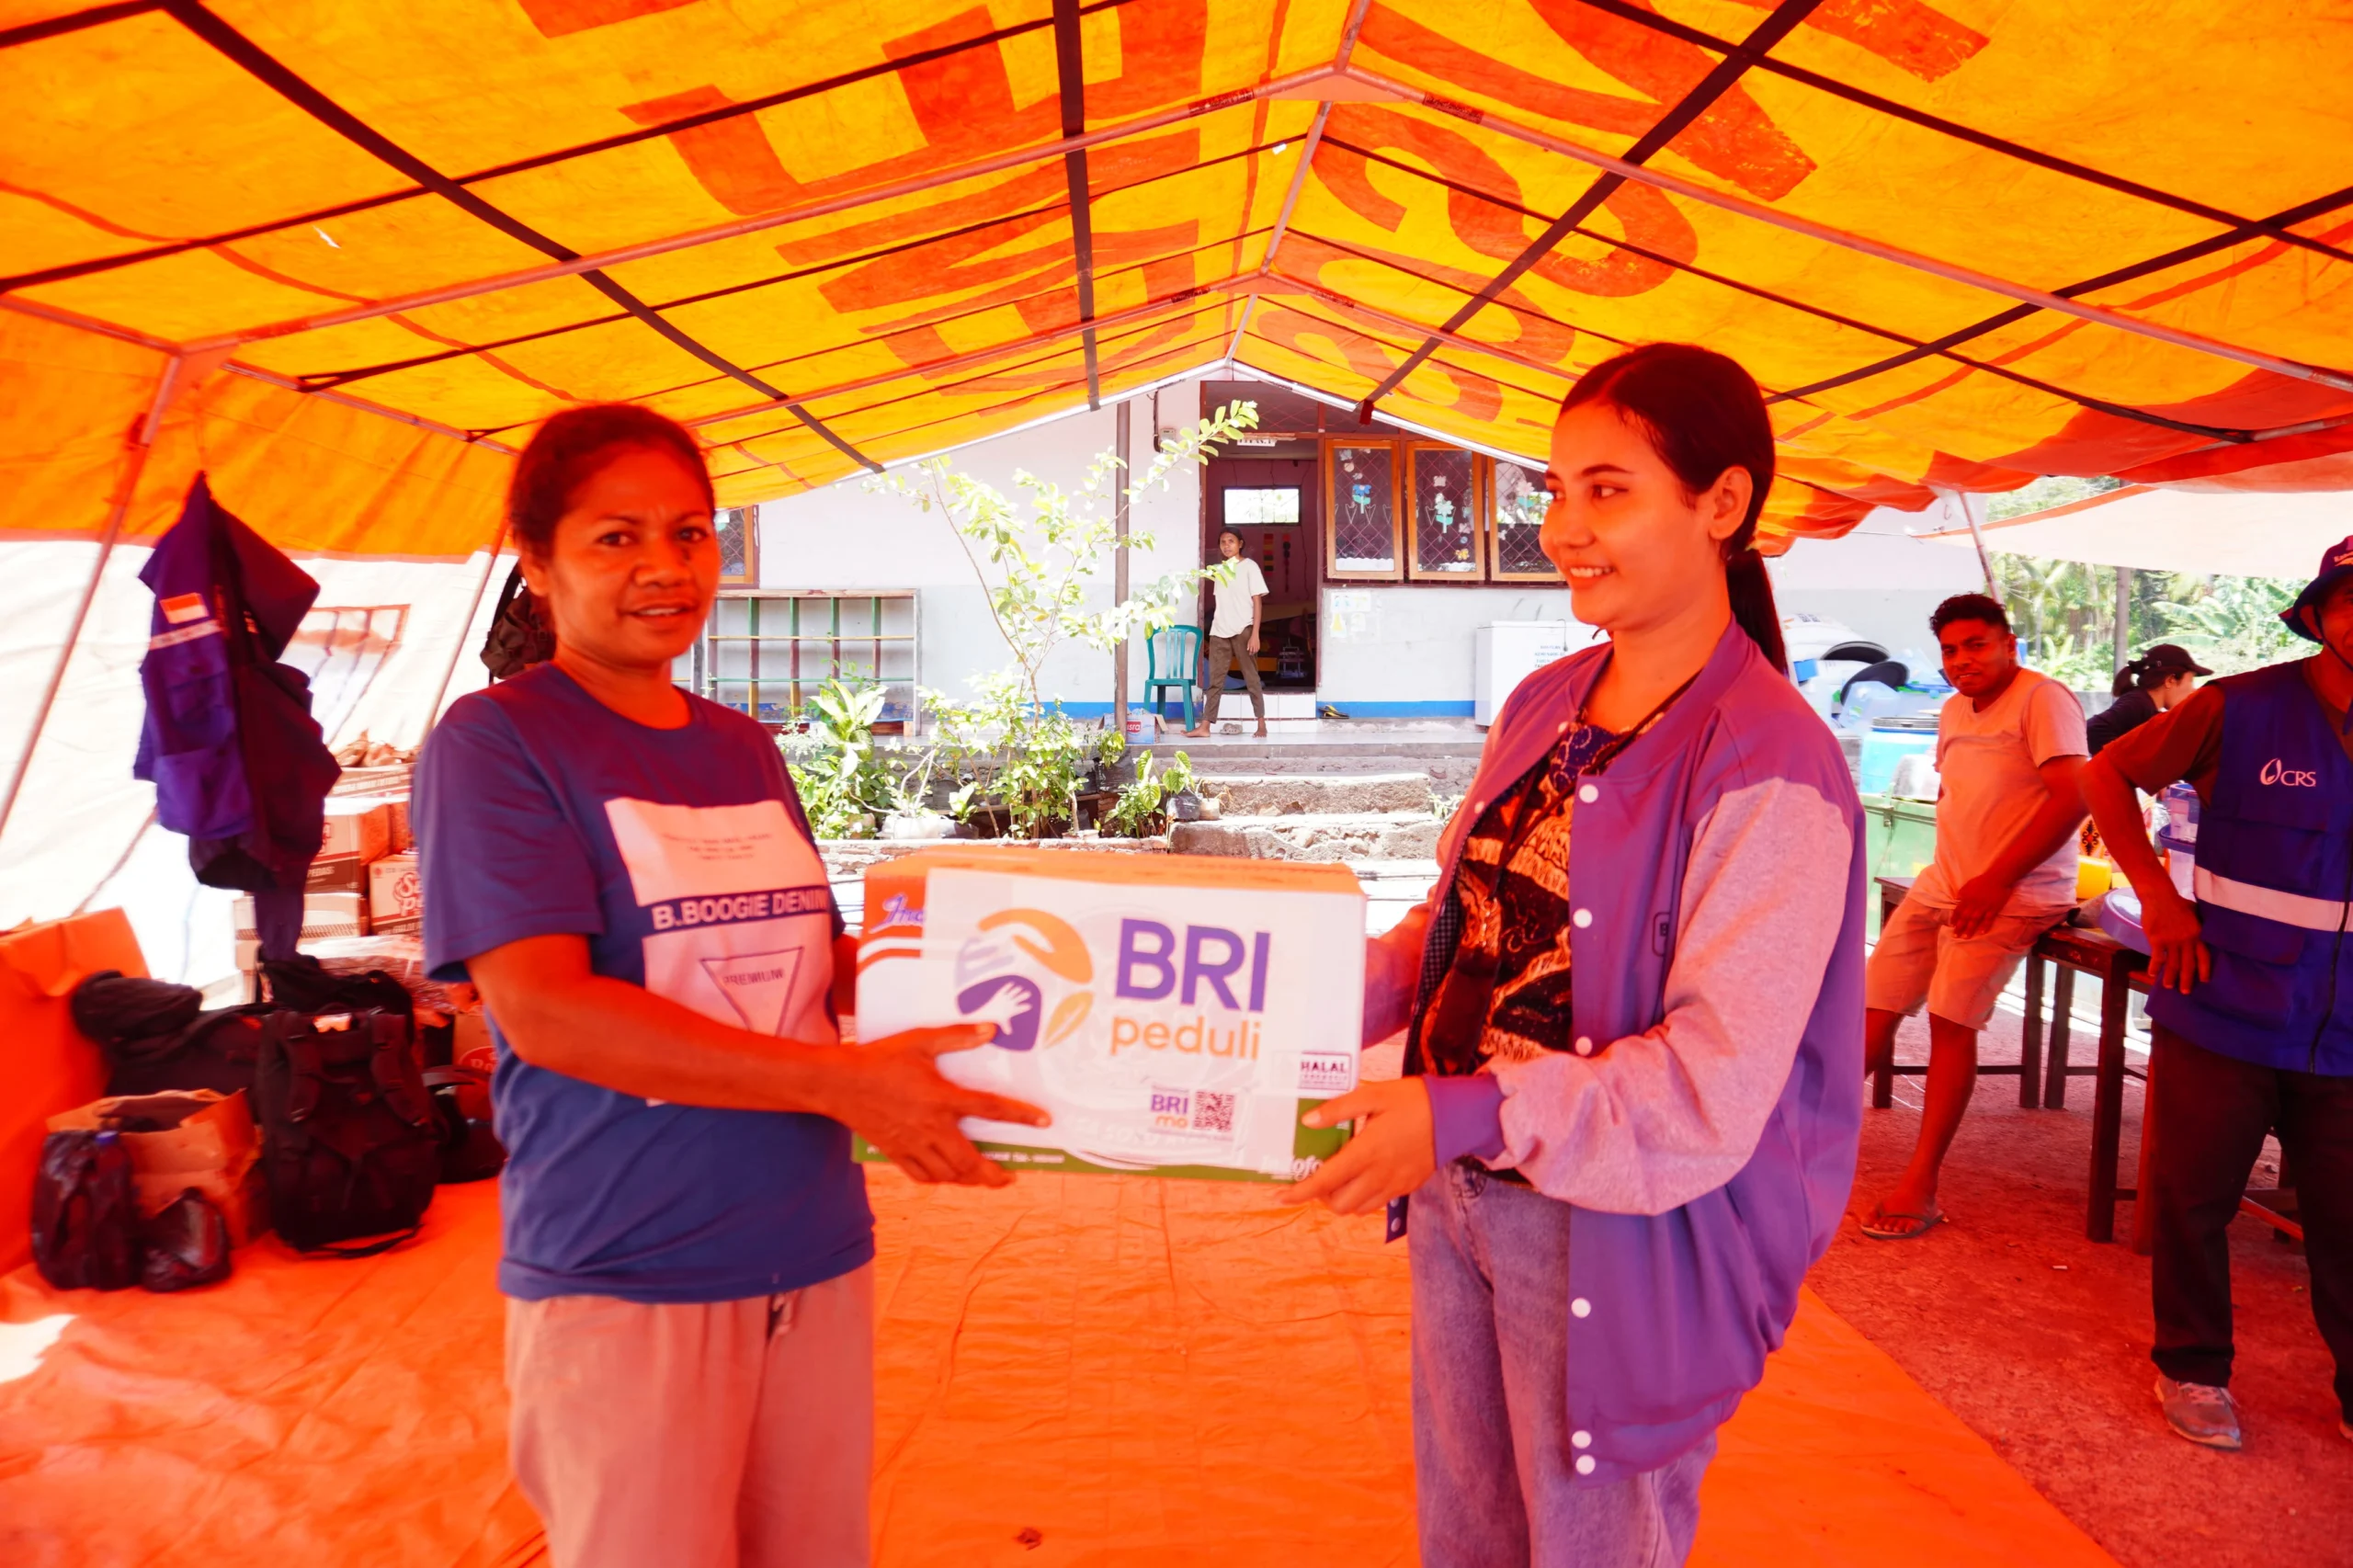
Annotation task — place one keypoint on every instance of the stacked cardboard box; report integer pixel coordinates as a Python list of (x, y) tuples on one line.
[(361, 830), (395, 903)]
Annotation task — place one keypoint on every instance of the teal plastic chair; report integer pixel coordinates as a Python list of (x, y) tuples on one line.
[(1181, 646)]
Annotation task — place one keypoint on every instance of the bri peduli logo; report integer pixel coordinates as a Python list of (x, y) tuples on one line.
[(1193, 989), (996, 986), (2274, 772)]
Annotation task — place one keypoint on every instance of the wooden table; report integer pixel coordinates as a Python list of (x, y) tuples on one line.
[(2071, 949)]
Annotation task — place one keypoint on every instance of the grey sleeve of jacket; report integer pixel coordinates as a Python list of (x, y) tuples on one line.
[(1661, 1118)]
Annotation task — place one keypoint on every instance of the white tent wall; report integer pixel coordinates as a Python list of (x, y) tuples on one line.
[(41, 584), (80, 835), (846, 536), (2231, 533)]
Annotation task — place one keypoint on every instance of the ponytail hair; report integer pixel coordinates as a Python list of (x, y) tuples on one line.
[(1703, 415), (2145, 673)]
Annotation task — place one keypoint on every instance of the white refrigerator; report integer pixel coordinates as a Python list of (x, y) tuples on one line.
[(1505, 653)]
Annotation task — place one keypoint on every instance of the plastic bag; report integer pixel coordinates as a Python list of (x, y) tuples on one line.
[(86, 1212), (187, 1244)]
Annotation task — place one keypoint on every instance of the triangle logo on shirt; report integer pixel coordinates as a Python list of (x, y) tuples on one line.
[(757, 985)]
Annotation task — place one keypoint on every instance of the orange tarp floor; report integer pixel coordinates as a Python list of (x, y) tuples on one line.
[(1085, 1370)]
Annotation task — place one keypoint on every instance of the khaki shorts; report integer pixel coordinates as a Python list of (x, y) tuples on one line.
[(1919, 959), (698, 1435)]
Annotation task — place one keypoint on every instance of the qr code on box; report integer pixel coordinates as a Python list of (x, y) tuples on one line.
[(1212, 1112)]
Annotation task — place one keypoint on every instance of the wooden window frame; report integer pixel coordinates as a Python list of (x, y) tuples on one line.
[(1408, 526), (1496, 569), (750, 517), (1333, 571)]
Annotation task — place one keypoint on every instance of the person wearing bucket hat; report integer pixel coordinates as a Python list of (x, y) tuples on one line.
[(2251, 999), (2147, 687)]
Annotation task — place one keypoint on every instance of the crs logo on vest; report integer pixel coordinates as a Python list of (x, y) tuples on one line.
[(2274, 772), (1026, 966)]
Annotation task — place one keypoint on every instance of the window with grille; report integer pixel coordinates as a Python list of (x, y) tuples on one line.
[(1363, 511), (1442, 484), (739, 545), (1517, 511)]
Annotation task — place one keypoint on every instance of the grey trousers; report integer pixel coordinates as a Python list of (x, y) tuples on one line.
[(1493, 1459), (1225, 652)]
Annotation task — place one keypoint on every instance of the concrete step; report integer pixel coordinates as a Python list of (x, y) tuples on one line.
[(1256, 794), (1368, 835), (1451, 774)]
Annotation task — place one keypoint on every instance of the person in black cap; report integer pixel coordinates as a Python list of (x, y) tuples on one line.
[(2152, 683), (2251, 999)]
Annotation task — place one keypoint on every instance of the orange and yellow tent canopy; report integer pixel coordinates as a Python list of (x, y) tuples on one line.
[(344, 255)]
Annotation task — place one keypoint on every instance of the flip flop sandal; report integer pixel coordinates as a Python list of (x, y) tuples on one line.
[(1883, 1226)]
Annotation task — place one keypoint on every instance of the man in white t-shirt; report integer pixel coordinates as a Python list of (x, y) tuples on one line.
[(2009, 744), (1233, 632)]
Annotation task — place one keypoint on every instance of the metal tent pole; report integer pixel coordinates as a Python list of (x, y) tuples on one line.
[(140, 441), (458, 648), (1119, 572), (1969, 508)]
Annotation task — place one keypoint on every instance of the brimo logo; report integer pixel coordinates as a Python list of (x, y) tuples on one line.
[(2296, 778)]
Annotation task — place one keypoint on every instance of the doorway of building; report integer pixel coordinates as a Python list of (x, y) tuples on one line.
[(1273, 498)]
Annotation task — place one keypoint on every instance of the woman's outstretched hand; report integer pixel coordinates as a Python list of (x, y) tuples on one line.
[(1394, 1152)]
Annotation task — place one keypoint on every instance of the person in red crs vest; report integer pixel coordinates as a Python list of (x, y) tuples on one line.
[(2251, 998)]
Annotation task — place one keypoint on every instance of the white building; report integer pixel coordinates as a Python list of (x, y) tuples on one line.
[(1376, 616)]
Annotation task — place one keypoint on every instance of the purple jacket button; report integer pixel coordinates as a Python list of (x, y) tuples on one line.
[(1580, 1308), (1581, 1439), (1581, 919), (1585, 1045), (1589, 793), (1584, 1464)]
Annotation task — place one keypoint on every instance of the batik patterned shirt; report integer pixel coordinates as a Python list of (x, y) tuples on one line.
[(1502, 994)]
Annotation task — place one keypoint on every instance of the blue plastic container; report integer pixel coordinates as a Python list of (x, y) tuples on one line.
[(1883, 743)]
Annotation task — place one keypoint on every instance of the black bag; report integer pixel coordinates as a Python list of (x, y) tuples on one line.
[(349, 1143), (156, 1037), (520, 634), (306, 985), (86, 1212), (470, 1149), (187, 1244)]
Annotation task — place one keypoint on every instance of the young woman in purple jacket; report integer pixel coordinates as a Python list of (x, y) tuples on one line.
[(1634, 1058)]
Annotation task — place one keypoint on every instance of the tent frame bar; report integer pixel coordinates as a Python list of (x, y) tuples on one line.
[(458, 644), (1951, 271), (1145, 312), (913, 186), (1070, 69), (141, 442)]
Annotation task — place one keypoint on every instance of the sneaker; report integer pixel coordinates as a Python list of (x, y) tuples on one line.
[(2201, 1411)]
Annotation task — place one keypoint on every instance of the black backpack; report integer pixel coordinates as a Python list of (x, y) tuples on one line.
[(351, 1145), (86, 1212)]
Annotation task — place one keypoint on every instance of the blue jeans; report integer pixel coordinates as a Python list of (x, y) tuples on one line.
[(1492, 1451)]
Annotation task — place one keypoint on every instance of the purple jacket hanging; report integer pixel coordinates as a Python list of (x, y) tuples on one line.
[(238, 764)]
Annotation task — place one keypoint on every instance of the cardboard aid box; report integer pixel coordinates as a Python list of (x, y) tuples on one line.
[(358, 826), (1177, 1014), (205, 1140), (395, 902)]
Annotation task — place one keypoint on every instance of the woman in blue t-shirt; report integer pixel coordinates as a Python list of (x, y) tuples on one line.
[(624, 872)]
